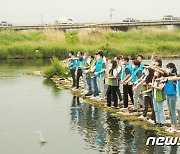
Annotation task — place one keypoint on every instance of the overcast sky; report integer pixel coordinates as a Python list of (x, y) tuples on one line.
[(30, 11)]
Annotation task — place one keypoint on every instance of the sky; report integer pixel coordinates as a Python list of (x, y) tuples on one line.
[(35, 11)]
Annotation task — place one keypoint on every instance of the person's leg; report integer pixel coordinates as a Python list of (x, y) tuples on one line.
[(72, 71), (169, 108), (85, 81), (102, 87), (114, 93), (172, 107), (141, 101), (146, 103), (130, 93), (156, 111), (105, 87), (152, 109), (109, 96), (98, 83), (96, 93), (125, 95), (79, 73), (136, 96), (88, 78), (119, 94), (161, 112)]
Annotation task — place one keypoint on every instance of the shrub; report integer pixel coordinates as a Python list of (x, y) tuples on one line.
[(56, 68)]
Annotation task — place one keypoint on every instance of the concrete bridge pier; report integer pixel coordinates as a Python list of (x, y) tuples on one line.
[(118, 28), (173, 27)]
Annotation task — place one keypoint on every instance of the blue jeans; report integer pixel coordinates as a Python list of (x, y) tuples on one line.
[(94, 81), (159, 112), (171, 102), (88, 78)]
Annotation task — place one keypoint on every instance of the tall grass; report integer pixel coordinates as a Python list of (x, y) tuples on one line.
[(49, 43)]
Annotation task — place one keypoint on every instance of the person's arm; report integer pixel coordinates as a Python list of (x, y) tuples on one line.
[(69, 65), (75, 58), (173, 78), (160, 87), (152, 58), (115, 73), (103, 68), (127, 72), (140, 82), (139, 77), (146, 91), (155, 68), (129, 79), (86, 67)]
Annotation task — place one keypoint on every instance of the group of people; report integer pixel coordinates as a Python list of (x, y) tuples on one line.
[(146, 84)]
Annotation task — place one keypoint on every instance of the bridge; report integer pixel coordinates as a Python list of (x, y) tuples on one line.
[(111, 25)]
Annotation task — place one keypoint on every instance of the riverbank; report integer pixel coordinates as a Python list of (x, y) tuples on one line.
[(49, 43), (123, 115)]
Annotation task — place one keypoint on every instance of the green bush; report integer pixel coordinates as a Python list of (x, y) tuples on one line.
[(56, 68)]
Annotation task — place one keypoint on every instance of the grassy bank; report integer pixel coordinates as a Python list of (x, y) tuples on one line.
[(48, 43)]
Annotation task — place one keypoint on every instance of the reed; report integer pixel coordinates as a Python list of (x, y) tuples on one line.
[(49, 43)]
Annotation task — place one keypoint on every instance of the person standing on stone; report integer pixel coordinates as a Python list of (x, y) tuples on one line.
[(72, 67)]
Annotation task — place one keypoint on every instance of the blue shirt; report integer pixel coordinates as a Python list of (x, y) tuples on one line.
[(128, 66), (170, 87), (135, 73), (98, 67), (73, 63), (141, 66), (80, 62)]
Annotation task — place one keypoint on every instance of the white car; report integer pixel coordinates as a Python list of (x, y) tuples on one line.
[(170, 18), (130, 20), (4, 23)]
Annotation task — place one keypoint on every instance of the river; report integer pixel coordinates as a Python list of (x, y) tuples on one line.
[(32, 104)]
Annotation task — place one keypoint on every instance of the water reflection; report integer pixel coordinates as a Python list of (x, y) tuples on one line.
[(55, 90), (15, 63), (107, 134)]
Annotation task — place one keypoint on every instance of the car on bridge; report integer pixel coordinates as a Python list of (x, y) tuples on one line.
[(5, 24), (130, 20), (64, 21), (170, 18)]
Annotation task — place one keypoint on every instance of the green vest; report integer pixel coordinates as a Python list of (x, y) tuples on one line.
[(112, 81), (160, 94), (144, 88), (120, 73), (86, 64), (91, 65)]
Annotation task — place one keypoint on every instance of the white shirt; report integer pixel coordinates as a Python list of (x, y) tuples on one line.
[(119, 69)]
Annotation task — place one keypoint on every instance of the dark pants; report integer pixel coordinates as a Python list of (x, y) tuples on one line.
[(112, 90), (127, 89), (119, 94), (148, 102), (79, 74), (72, 71)]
